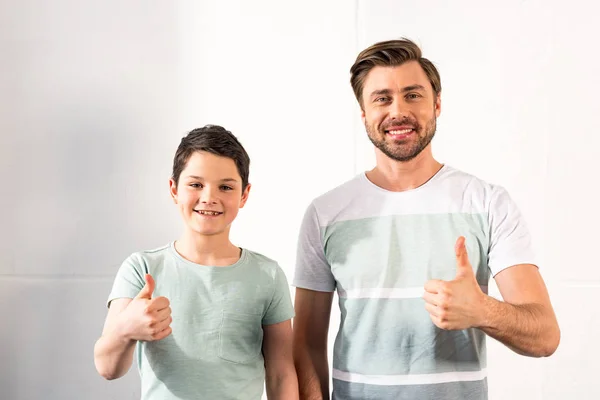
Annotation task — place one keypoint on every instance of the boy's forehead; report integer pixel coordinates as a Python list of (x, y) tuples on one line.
[(210, 166)]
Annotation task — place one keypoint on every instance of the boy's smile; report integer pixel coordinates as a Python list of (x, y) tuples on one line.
[(209, 193)]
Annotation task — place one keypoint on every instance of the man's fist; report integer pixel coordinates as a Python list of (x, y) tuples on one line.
[(456, 304)]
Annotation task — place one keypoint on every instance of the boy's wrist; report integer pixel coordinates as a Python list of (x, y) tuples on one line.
[(119, 333)]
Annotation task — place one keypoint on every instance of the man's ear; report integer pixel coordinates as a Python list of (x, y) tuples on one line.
[(362, 114)]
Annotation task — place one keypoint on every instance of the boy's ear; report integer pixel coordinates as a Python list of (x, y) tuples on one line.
[(245, 196), (173, 190)]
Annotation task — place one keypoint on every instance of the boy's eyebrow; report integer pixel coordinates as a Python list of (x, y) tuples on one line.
[(201, 178)]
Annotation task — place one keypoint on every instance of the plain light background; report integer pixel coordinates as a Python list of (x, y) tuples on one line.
[(95, 96)]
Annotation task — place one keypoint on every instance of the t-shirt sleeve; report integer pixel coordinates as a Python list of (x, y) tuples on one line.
[(510, 242), (280, 309), (130, 279), (312, 269)]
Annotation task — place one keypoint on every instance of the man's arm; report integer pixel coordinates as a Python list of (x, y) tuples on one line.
[(311, 327), (524, 321), (281, 380)]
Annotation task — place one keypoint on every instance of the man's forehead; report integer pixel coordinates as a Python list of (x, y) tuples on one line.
[(407, 74)]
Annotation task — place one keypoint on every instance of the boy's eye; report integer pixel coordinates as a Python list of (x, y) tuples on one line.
[(225, 187), (196, 185)]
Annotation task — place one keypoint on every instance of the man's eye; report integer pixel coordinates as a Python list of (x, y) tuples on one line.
[(381, 99), (413, 96)]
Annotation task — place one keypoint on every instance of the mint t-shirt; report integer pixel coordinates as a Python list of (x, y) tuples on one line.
[(215, 349)]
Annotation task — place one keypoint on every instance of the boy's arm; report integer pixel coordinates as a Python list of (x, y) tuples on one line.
[(129, 320), (311, 326), (281, 380), (113, 353)]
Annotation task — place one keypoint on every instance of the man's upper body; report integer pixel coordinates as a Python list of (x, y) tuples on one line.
[(209, 320), (410, 247)]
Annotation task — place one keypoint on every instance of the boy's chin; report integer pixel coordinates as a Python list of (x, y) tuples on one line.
[(203, 231)]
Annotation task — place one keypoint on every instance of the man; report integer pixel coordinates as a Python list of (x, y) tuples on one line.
[(410, 247)]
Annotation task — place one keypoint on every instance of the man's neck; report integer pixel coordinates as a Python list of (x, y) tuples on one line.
[(215, 250), (398, 176)]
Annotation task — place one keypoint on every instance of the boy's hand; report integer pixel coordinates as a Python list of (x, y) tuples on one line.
[(145, 318)]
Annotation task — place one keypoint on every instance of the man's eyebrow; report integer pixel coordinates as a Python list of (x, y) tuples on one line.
[(379, 92), (405, 89), (413, 87)]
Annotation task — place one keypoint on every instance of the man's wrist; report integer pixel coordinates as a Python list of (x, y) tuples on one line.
[(488, 305)]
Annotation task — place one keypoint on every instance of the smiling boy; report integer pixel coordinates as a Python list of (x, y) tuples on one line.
[(209, 320)]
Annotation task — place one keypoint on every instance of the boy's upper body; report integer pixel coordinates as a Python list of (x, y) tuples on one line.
[(218, 313), (209, 319), (414, 312)]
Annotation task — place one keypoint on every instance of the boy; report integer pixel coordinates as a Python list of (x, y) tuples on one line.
[(207, 317)]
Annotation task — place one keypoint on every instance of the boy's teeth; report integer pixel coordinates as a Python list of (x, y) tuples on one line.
[(209, 212)]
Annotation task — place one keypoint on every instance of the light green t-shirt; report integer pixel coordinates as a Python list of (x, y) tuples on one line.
[(215, 349)]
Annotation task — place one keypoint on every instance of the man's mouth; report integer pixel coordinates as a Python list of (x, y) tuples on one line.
[(399, 132), (209, 213), (396, 131)]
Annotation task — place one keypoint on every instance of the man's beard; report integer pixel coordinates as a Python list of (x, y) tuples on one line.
[(397, 150)]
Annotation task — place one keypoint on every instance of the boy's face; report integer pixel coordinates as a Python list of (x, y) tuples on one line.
[(209, 193)]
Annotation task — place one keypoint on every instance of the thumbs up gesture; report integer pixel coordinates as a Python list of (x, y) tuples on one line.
[(456, 304), (146, 318)]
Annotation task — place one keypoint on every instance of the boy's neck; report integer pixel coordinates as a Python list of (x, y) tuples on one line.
[(214, 250)]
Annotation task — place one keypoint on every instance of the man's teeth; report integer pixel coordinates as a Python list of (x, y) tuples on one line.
[(209, 212), (401, 132)]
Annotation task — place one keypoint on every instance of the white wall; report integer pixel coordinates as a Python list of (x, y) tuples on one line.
[(95, 96)]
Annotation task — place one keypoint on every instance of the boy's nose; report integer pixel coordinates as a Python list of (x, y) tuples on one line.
[(207, 197)]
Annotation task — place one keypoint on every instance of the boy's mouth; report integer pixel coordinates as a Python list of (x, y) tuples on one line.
[(208, 212)]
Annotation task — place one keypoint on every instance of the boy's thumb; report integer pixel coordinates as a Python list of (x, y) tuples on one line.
[(148, 289)]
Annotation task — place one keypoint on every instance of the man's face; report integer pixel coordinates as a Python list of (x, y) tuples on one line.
[(209, 193), (399, 110)]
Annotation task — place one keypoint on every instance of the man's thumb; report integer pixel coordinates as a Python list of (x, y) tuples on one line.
[(463, 266), (148, 289)]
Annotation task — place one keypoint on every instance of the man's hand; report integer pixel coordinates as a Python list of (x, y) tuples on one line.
[(145, 318), (457, 304)]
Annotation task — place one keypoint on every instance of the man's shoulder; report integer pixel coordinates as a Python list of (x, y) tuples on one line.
[(339, 196), (465, 183)]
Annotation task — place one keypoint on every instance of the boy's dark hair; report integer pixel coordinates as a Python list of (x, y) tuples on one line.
[(216, 140)]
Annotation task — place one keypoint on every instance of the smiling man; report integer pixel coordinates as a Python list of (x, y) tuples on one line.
[(410, 247)]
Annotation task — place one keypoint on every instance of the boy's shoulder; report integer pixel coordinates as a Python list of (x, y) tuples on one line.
[(261, 263), (148, 257)]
